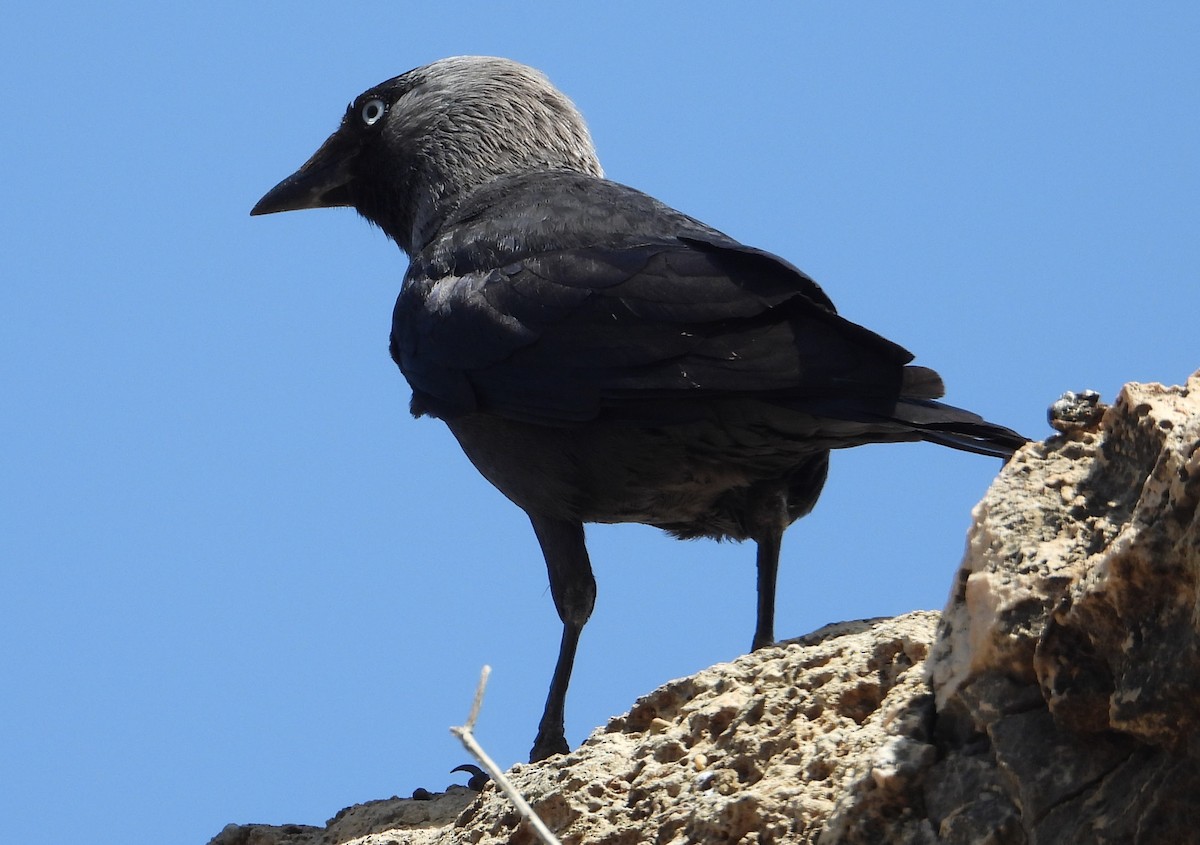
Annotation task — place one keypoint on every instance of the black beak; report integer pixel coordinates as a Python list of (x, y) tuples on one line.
[(322, 182)]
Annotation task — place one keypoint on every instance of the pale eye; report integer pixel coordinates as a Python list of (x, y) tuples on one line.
[(372, 110)]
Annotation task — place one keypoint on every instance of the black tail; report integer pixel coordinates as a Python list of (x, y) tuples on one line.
[(915, 415), (958, 429), (947, 425)]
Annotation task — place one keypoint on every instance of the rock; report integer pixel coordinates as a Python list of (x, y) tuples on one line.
[(359, 822), (1055, 700), (1068, 658)]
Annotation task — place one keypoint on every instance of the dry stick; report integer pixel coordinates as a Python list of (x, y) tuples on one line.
[(467, 737)]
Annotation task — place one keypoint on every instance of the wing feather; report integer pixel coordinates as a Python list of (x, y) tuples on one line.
[(571, 335)]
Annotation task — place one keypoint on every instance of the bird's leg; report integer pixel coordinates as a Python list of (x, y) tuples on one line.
[(770, 508), (551, 736), (574, 591), (769, 515), (768, 570)]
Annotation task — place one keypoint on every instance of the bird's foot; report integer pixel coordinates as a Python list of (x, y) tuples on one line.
[(479, 778), (547, 745)]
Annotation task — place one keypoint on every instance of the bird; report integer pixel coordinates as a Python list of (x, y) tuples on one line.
[(600, 356)]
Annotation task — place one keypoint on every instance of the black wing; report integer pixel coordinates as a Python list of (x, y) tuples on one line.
[(568, 308)]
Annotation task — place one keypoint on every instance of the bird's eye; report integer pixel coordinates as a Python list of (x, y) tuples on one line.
[(372, 110)]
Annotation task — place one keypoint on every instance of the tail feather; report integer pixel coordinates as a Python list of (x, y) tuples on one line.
[(947, 425), (921, 383), (859, 419)]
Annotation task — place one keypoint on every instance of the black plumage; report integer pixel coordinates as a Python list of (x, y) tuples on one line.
[(600, 356)]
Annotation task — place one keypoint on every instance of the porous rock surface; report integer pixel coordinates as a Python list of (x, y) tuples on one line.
[(1055, 700), (1067, 666)]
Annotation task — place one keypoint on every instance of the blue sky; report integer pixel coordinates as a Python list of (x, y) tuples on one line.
[(240, 583)]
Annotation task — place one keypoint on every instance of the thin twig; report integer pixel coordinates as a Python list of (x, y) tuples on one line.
[(467, 737), (484, 674)]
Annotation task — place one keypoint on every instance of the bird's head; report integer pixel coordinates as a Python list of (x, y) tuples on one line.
[(409, 149)]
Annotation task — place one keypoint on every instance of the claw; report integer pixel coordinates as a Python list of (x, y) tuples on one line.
[(479, 778)]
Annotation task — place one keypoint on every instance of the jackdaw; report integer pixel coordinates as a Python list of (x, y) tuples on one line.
[(600, 356)]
